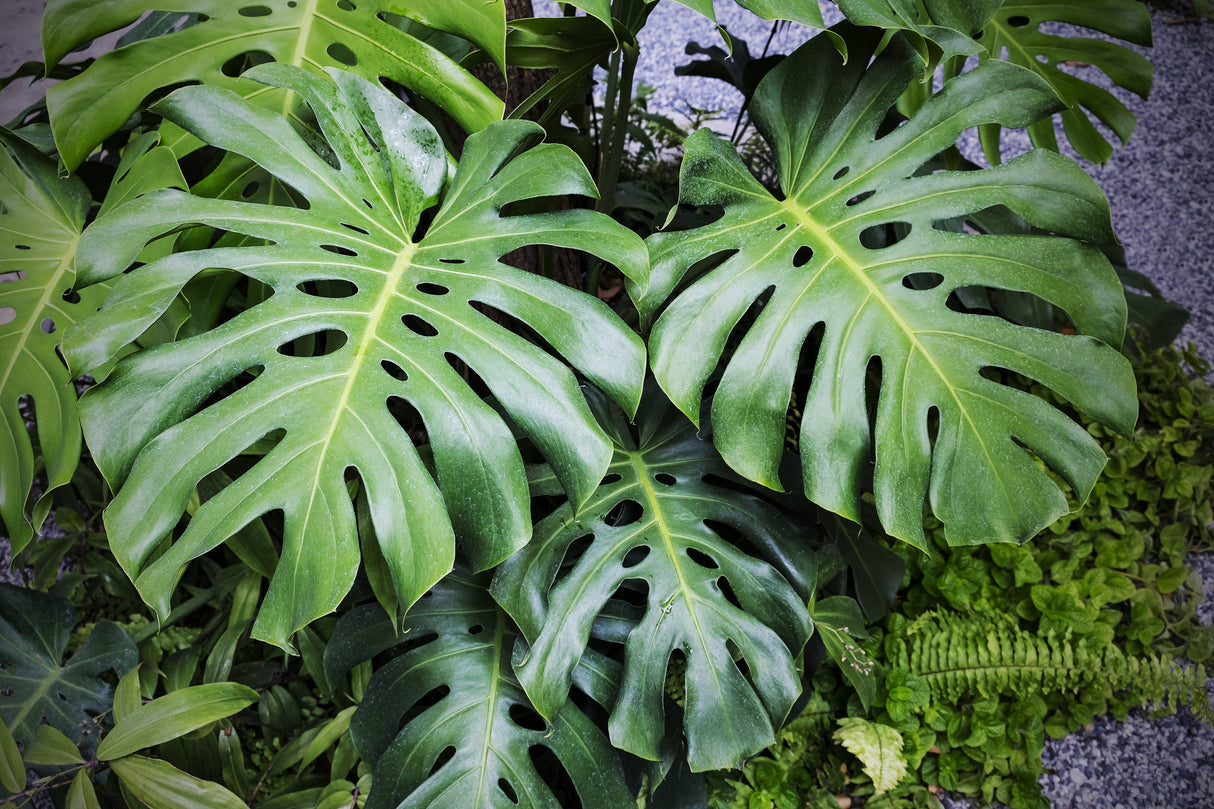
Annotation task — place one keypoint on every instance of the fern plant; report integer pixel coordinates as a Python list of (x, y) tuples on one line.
[(280, 238)]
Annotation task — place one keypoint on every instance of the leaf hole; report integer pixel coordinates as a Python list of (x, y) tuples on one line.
[(626, 512), (1018, 21), (727, 591), (7, 315), (861, 197), (418, 326), (332, 288), (318, 344), (451, 261), (393, 370), (9, 277), (922, 280), (342, 53), (441, 760), (879, 237), (803, 255), (555, 775), (527, 718), (933, 424), (781, 226), (702, 559), (613, 477), (665, 478), (48, 326), (475, 629), (635, 556), (346, 5), (428, 700), (249, 190), (409, 419), (469, 375), (427, 288), (574, 551), (507, 790), (243, 61), (255, 11), (339, 250), (632, 592), (355, 228), (841, 173), (21, 246)]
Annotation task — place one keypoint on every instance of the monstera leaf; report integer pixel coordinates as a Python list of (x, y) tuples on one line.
[(39, 686), (1016, 34), (852, 270), (315, 35), (372, 328), (41, 216), (469, 738), (662, 520)]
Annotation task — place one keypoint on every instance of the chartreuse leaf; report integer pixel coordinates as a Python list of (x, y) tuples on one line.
[(81, 795), (468, 733), (52, 748), (41, 216), (879, 748), (847, 269), (175, 714), (314, 34), (662, 521), (38, 687), (159, 785), (1015, 35), (12, 769), (387, 312)]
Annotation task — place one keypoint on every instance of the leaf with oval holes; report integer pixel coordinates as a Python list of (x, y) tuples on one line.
[(718, 575), (851, 279), (360, 35), (1016, 34), (41, 216), (371, 340), (38, 685), (444, 722)]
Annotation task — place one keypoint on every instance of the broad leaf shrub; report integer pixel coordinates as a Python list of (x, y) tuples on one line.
[(459, 530)]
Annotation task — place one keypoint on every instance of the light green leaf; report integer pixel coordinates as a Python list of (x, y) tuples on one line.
[(12, 769), (174, 715), (159, 785), (846, 269), (840, 622), (1015, 35), (34, 631), (127, 695), (81, 795), (380, 315), (657, 523), (41, 216), (482, 728), (879, 748), (52, 748), (313, 33)]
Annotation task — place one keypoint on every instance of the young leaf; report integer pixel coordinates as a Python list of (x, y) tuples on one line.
[(12, 768), (391, 311), (469, 731), (159, 785), (173, 715), (879, 748), (660, 520), (851, 243), (34, 632), (1017, 32), (326, 33)]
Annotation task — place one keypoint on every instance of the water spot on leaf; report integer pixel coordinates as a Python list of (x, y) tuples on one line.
[(418, 326)]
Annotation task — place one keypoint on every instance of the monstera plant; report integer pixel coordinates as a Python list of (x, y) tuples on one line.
[(556, 547)]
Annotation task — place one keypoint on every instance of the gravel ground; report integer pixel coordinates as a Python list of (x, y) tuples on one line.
[(1160, 192)]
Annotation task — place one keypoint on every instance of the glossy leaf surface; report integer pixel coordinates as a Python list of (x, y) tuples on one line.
[(849, 271), (370, 315), (157, 784), (470, 738), (172, 715), (659, 523), (209, 46), (41, 217), (38, 684), (1017, 35)]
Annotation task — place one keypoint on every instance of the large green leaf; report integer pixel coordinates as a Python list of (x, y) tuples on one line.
[(851, 271), (390, 308), (469, 736), (308, 33), (41, 217), (660, 521), (1016, 34), (38, 685)]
